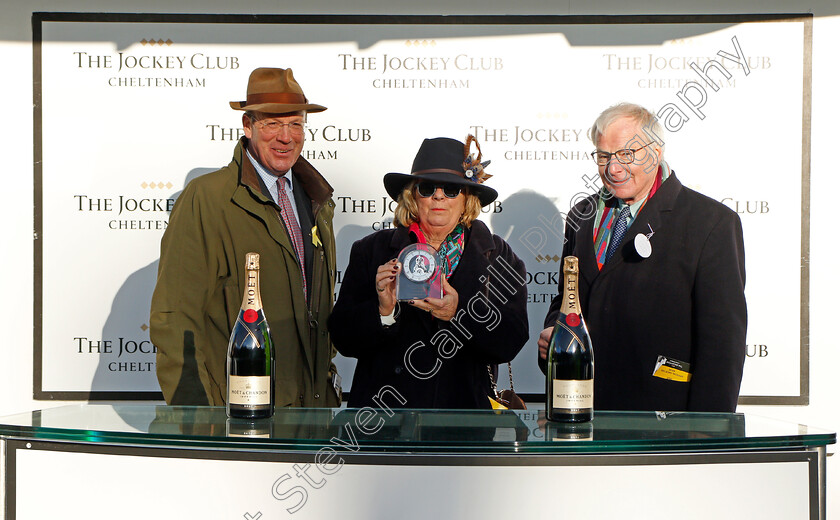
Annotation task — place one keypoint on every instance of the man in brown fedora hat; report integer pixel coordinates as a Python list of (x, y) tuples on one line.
[(271, 201)]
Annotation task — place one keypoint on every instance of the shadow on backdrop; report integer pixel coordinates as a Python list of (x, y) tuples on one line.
[(533, 226), (127, 327)]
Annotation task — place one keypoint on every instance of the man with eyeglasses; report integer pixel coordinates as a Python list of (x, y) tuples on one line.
[(661, 278), (271, 201)]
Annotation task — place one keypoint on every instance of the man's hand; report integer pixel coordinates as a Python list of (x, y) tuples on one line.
[(542, 343)]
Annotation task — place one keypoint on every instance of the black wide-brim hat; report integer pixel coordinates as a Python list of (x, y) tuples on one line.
[(439, 160)]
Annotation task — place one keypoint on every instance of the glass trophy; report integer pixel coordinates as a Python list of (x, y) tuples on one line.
[(420, 274)]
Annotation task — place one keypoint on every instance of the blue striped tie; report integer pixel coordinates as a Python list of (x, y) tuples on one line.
[(619, 229)]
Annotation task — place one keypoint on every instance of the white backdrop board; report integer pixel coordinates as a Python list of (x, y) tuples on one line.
[(131, 107)]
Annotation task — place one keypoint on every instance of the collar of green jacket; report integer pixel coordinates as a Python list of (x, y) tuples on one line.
[(313, 183)]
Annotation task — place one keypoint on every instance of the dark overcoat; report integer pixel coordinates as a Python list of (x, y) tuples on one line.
[(685, 302), (421, 361)]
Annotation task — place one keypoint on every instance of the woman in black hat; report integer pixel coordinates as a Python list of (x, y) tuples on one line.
[(432, 352)]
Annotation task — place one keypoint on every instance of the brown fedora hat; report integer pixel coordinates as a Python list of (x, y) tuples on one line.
[(275, 91)]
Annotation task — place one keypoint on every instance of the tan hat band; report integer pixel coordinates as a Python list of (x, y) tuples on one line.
[(439, 170), (285, 98)]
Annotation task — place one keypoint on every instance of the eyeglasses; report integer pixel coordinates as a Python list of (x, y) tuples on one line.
[(624, 156), (427, 189), (271, 128)]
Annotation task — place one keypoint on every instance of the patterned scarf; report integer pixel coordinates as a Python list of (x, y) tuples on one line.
[(607, 212), (450, 250)]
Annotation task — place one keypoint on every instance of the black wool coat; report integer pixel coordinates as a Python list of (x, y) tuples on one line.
[(421, 361), (685, 302)]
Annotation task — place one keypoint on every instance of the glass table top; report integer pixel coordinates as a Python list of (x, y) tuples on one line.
[(409, 430)]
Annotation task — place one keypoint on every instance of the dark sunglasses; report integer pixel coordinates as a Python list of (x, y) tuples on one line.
[(427, 189)]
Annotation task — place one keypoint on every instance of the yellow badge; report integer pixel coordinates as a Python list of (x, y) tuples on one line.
[(315, 240), (672, 369), (496, 404)]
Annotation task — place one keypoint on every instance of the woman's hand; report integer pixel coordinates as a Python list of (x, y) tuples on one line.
[(386, 286), (441, 308)]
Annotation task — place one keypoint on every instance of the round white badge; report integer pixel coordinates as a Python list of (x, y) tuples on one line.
[(419, 265), (642, 244)]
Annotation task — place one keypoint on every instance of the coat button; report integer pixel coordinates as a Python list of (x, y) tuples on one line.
[(398, 370), (317, 396)]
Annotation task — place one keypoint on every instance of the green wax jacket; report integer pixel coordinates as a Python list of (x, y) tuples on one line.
[(217, 219)]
